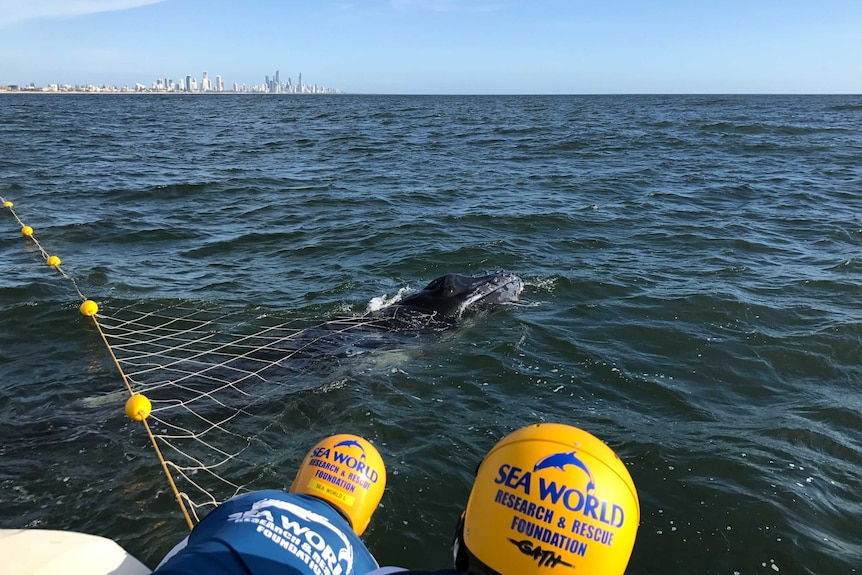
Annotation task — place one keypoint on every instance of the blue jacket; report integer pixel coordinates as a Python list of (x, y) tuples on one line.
[(268, 532)]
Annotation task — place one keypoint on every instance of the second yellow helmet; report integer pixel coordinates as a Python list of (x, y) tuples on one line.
[(346, 471)]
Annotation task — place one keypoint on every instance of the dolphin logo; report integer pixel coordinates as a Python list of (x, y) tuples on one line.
[(352, 443), (560, 460), (344, 554)]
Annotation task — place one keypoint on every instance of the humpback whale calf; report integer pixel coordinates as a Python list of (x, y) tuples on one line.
[(238, 361), (439, 306), (229, 377)]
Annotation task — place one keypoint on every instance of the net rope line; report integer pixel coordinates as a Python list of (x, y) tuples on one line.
[(200, 367), (55, 262)]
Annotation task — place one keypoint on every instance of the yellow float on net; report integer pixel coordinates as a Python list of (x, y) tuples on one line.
[(27, 231), (8, 204), (53, 261), (89, 308), (138, 407)]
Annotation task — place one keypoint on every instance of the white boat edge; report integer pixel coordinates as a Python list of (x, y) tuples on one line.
[(47, 552)]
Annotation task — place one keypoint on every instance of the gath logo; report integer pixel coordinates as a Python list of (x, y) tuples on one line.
[(560, 460), (351, 443), (546, 558)]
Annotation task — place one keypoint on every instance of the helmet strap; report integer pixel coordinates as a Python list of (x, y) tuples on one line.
[(459, 550), (464, 561)]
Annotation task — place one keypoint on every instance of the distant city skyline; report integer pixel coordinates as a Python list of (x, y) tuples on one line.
[(187, 84), (444, 46)]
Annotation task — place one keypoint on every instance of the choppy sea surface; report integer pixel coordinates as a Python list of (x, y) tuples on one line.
[(692, 268)]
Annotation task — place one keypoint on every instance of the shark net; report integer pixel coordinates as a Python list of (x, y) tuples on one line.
[(193, 374), (201, 371)]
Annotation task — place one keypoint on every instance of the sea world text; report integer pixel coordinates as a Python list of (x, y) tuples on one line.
[(302, 542), (337, 460), (573, 499)]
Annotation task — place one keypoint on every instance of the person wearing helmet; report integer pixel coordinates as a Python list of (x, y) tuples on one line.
[(312, 530), (548, 498)]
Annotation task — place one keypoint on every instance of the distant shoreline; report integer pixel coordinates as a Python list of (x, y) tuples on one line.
[(133, 93)]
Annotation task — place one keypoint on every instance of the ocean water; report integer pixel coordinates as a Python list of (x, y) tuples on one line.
[(692, 268)]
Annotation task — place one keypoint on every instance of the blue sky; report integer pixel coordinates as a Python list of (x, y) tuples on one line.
[(443, 46)]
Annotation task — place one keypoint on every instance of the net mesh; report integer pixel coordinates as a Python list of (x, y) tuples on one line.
[(182, 360), (201, 368)]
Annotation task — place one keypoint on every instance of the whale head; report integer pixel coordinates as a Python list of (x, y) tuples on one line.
[(438, 306), (455, 296)]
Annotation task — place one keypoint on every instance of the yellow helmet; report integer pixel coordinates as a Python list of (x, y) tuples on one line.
[(346, 471), (546, 496)]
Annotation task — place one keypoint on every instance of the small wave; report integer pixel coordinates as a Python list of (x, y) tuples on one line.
[(846, 108), (773, 129), (379, 302), (546, 284)]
